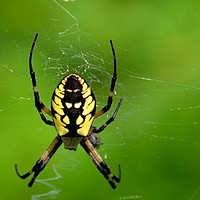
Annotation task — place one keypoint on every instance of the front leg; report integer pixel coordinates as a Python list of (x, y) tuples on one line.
[(38, 104), (112, 86)]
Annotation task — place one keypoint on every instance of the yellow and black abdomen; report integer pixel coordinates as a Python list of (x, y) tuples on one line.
[(73, 107)]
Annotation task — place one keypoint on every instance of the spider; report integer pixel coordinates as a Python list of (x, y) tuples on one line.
[(73, 109)]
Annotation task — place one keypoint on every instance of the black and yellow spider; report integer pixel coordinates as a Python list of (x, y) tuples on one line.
[(73, 109)]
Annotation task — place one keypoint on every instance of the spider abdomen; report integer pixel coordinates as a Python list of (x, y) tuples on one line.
[(73, 107)]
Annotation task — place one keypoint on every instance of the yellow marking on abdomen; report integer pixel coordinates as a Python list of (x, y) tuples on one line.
[(66, 120), (77, 90), (88, 100), (81, 81), (77, 105), (69, 105), (87, 92), (79, 120), (84, 86), (59, 93), (60, 126), (85, 127), (64, 80), (68, 90), (61, 87), (58, 101), (88, 108), (57, 108)]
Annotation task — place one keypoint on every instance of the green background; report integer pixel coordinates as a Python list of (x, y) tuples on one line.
[(156, 134)]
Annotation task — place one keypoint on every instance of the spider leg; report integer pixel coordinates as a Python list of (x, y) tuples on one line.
[(42, 162), (101, 165), (112, 86), (38, 104), (110, 120)]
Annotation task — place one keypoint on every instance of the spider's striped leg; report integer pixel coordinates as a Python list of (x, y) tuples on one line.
[(110, 120), (42, 162), (101, 165), (112, 86), (38, 104)]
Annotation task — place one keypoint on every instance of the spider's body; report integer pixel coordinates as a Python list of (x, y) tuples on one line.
[(73, 109)]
